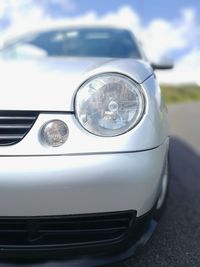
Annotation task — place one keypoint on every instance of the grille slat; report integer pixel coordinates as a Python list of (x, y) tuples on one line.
[(11, 136), (14, 125), (73, 231), (17, 118), (65, 230)]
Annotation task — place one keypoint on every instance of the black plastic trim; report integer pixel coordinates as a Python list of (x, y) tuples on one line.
[(144, 226)]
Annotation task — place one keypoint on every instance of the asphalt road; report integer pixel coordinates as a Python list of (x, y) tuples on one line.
[(176, 241), (185, 123)]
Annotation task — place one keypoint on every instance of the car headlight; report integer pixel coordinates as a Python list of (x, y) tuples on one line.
[(109, 104)]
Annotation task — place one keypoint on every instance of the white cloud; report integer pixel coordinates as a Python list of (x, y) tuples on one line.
[(160, 37), (124, 17), (25, 15), (165, 36), (187, 70), (19, 6)]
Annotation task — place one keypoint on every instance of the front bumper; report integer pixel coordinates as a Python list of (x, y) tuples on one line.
[(38, 188), (81, 184), (97, 255)]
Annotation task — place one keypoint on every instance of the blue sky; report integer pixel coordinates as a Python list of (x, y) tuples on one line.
[(149, 9)]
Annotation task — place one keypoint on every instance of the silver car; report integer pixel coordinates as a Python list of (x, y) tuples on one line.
[(83, 144)]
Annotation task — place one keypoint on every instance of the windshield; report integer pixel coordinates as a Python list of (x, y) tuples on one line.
[(111, 43)]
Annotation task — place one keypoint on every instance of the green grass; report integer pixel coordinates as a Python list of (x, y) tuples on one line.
[(180, 93)]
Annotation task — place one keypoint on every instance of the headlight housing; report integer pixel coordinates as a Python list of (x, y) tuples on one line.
[(109, 104)]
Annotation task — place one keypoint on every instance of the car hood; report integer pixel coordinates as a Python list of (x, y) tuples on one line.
[(50, 84)]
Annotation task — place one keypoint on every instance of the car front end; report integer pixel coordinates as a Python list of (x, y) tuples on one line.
[(84, 148)]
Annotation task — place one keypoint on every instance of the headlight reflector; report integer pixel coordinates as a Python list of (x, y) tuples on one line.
[(54, 133), (109, 104)]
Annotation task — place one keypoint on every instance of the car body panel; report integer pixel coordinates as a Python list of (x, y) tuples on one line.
[(77, 184), (143, 137), (50, 84), (150, 132)]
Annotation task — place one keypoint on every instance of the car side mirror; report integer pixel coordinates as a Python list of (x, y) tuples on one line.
[(163, 64)]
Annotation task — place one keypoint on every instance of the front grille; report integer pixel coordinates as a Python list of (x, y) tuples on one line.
[(67, 231), (14, 125)]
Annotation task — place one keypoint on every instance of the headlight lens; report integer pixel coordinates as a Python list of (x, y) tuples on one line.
[(54, 133), (109, 104)]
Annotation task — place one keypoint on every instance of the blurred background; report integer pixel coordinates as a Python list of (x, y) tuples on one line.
[(167, 29)]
